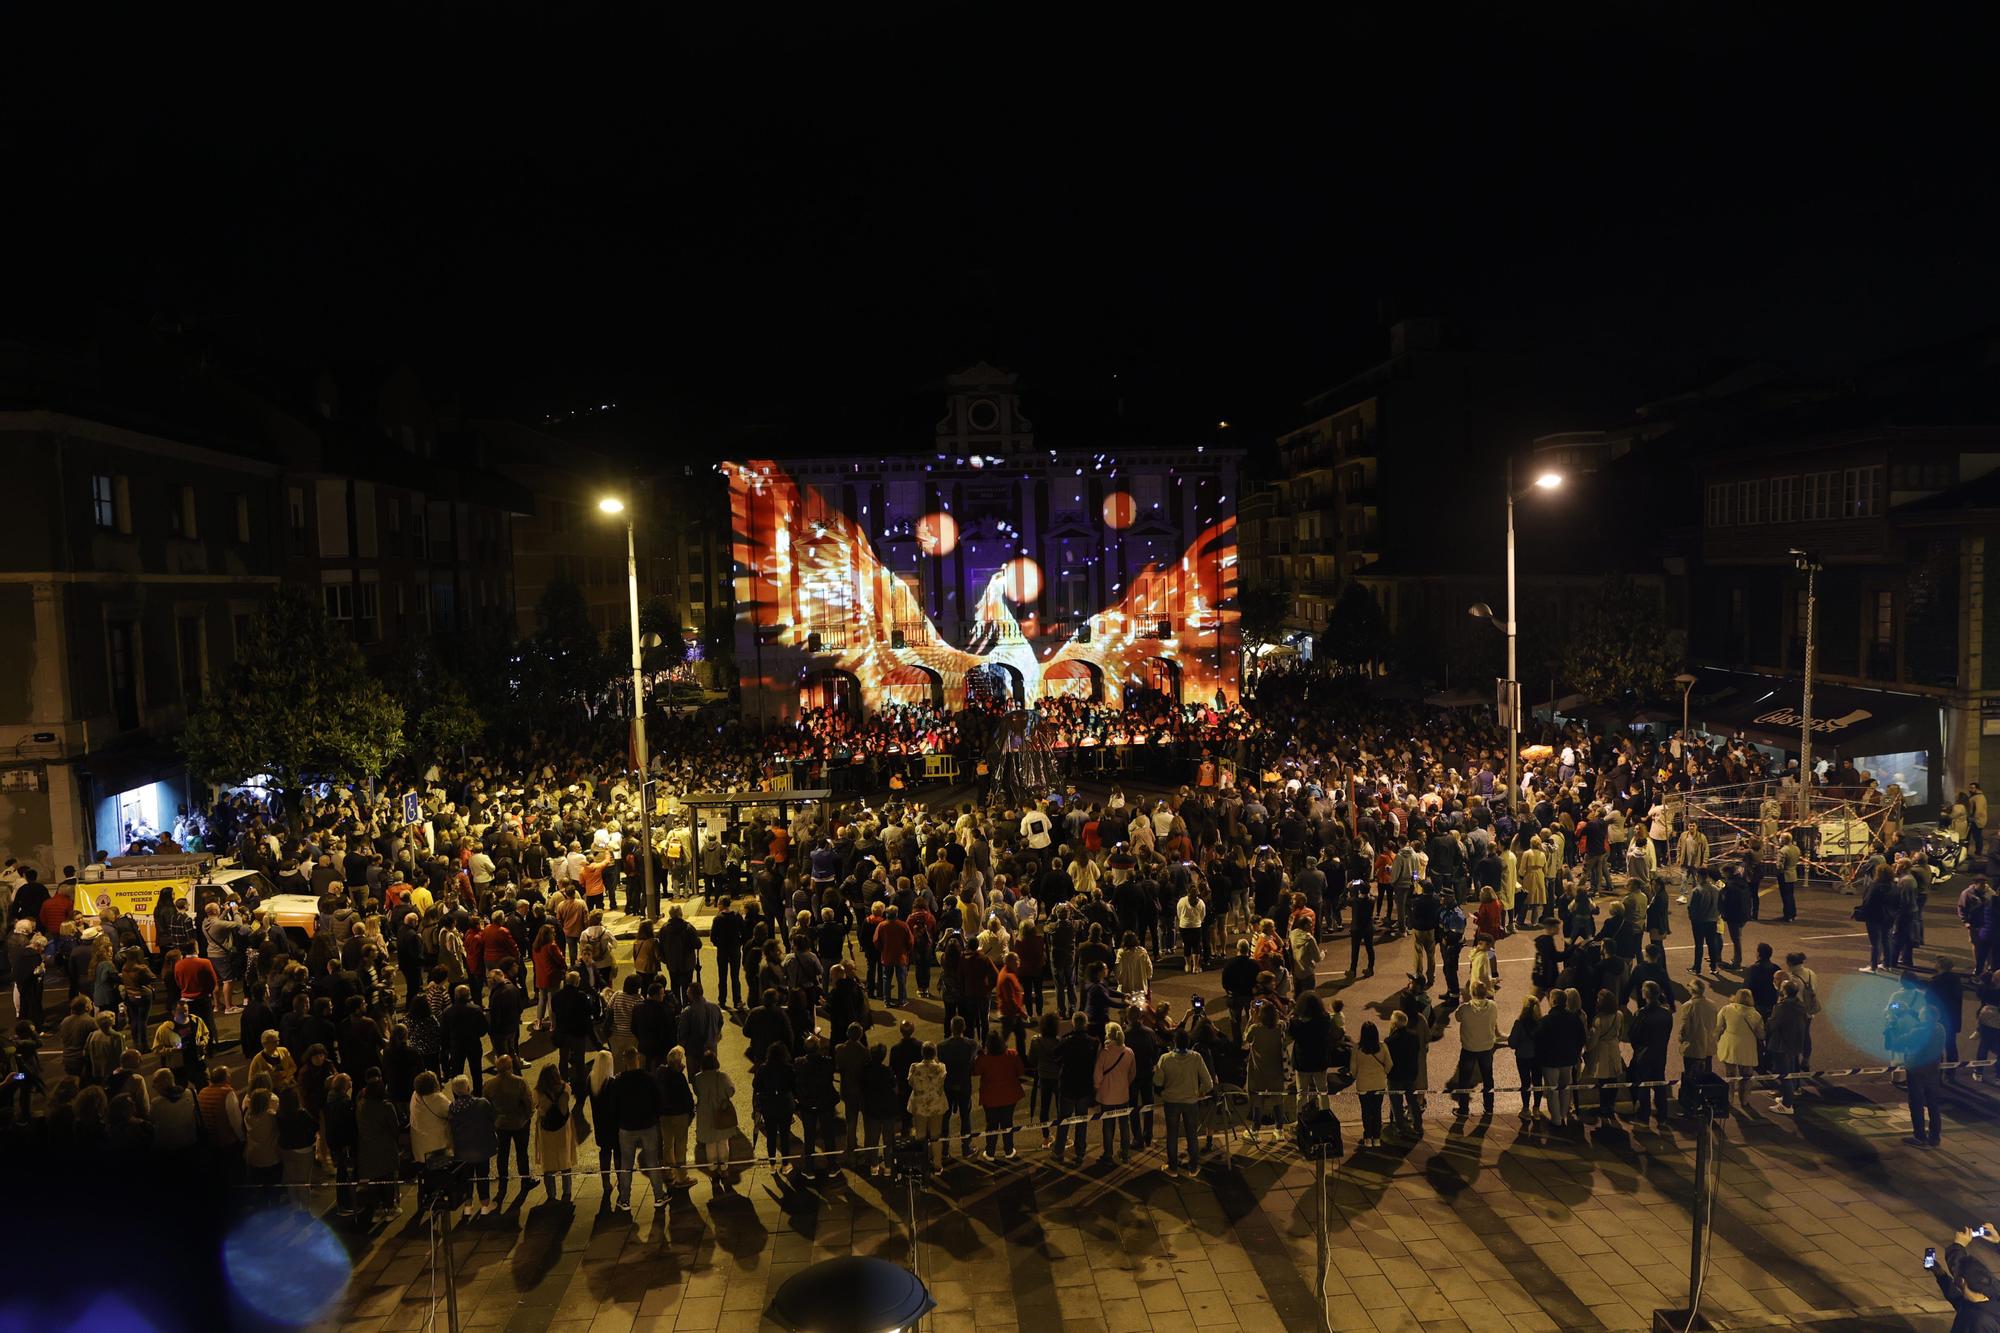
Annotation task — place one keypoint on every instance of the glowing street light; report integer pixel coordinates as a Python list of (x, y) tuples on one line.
[(1546, 481), (614, 506)]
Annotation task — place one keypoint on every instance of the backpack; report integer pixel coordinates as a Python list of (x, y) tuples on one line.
[(553, 1117), (1452, 920)]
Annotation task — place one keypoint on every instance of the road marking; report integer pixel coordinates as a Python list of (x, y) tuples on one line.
[(1842, 935)]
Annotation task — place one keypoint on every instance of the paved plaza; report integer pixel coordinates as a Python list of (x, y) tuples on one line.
[(1484, 1223)]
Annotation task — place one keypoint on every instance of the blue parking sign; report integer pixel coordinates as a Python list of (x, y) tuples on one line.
[(413, 808)]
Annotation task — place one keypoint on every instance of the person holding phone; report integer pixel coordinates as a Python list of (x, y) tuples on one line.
[(1965, 1280)]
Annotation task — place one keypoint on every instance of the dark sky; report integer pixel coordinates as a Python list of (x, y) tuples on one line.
[(803, 224)]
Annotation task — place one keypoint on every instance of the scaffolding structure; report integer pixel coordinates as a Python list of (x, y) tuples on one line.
[(1837, 839)]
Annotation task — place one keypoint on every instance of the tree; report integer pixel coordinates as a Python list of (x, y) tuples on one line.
[(1356, 634), (439, 713), (662, 618), (1622, 651), (1263, 610), (299, 706), (563, 667)]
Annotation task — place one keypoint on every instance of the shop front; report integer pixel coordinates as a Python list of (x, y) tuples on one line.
[(134, 795), (1896, 739)]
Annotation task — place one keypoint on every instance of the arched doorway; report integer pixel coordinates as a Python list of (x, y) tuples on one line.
[(831, 691), (1161, 675), (1074, 679), (995, 682), (911, 686)]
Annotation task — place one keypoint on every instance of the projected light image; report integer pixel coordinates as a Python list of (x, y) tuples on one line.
[(1009, 591)]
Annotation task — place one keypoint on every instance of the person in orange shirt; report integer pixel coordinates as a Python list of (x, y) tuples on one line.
[(593, 884)]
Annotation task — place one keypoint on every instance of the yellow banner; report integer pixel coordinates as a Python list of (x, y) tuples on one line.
[(135, 898)]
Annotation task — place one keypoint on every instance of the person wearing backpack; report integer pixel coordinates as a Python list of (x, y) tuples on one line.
[(1451, 937), (555, 1130), (594, 951)]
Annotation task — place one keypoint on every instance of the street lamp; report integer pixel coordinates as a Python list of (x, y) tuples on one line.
[(1687, 684), (1547, 480), (1807, 564), (614, 506)]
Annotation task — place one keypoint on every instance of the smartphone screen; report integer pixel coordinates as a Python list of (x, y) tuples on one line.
[(1930, 1257)]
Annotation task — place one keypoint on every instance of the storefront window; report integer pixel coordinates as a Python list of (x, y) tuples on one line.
[(1909, 770)]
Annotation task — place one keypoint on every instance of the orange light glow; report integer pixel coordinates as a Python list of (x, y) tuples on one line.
[(937, 534), (1120, 509), (1024, 580)]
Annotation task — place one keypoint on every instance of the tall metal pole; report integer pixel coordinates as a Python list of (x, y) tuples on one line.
[(1702, 1209), (1805, 708), (1319, 1278), (443, 1223), (1513, 692), (639, 721)]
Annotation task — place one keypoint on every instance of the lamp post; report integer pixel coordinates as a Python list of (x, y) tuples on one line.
[(614, 506), (1687, 684), (1545, 481), (1808, 564)]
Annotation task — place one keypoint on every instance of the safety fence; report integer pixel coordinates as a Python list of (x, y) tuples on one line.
[(1229, 1106)]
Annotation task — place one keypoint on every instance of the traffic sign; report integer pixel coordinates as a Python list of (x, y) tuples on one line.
[(413, 808)]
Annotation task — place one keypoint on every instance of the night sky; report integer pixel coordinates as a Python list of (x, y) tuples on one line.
[(791, 232)]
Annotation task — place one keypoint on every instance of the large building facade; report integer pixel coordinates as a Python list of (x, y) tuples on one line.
[(1898, 520), (987, 563), (158, 505)]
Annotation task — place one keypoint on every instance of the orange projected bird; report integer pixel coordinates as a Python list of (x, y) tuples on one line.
[(808, 579)]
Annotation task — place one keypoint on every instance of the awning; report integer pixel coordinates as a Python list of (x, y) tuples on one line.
[(127, 766), (1846, 720)]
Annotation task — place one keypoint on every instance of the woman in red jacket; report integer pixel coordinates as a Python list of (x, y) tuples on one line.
[(999, 1072), (1490, 917), (549, 960)]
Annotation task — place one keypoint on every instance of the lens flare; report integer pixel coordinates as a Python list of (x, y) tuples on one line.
[(1119, 510), (286, 1265)]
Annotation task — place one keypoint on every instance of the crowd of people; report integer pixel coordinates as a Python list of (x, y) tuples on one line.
[(471, 991)]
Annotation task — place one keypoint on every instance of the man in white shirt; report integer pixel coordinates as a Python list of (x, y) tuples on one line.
[(1190, 916), (1036, 829)]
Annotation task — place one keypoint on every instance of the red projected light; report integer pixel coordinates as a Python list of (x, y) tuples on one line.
[(937, 534), (1120, 509)]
